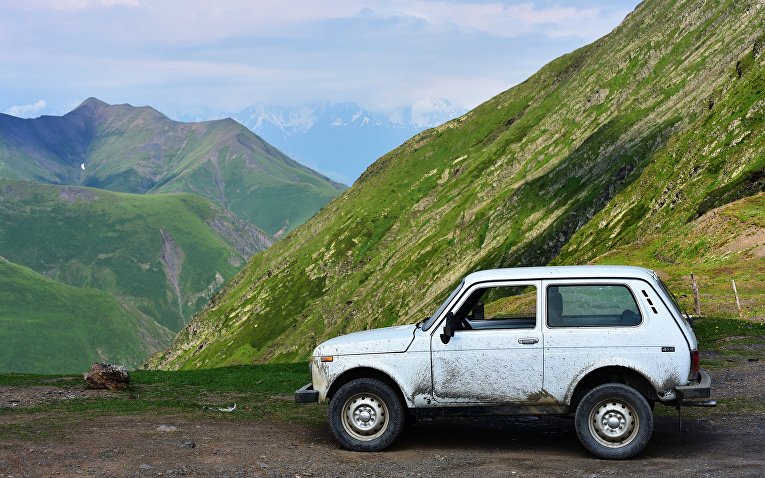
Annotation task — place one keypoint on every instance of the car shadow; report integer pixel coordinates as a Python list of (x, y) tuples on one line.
[(547, 434)]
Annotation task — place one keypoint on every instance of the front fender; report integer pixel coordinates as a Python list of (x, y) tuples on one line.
[(410, 372)]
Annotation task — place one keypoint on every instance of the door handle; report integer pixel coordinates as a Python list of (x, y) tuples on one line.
[(528, 341)]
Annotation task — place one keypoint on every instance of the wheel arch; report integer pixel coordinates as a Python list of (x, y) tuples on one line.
[(365, 372), (613, 374)]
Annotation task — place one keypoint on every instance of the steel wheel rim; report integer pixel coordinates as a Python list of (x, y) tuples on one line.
[(365, 416), (614, 423)]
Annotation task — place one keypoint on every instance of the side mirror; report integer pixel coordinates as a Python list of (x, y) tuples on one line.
[(449, 327)]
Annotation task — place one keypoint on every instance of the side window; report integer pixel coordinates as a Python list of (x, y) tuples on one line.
[(506, 307), (591, 306)]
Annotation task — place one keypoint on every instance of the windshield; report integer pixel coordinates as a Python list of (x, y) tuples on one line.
[(440, 310)]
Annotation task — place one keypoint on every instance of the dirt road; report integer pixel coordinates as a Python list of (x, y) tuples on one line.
[(175, 446)]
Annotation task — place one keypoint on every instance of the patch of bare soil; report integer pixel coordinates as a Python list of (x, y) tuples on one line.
[(752, 239), (745, 380), (28, 396), (712, 444)]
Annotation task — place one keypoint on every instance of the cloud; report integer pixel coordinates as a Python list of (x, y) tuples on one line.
[(503, 20), (496, 18), (187, 21), (76, 4), (191, 55), (26, 111)]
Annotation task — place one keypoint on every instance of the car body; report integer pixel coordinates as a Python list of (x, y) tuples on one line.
[(522, 341)]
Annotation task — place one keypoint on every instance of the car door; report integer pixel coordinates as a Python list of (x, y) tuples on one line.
[(498, 359)]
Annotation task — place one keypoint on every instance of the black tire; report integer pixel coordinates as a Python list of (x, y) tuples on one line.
[(366, 414), (614, 421)]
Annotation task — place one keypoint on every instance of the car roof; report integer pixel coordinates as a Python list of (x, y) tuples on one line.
[(562, 272)]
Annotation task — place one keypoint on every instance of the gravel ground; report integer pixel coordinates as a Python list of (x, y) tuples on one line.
[(175, 446), (713, 444)]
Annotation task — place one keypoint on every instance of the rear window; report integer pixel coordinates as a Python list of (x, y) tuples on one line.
[(592, 305)]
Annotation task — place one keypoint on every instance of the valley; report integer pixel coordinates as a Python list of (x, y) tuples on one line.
[(51, 327), (163, 254), (100, 257)]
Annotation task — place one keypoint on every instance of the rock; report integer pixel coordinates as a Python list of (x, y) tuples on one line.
[(597, 97), (758, 47), (103, 375), (166, 428)]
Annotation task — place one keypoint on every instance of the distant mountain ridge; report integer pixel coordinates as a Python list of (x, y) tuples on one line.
[(341, 139), (139, 150)]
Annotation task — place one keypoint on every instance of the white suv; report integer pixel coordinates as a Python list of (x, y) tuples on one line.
[(604, 343)]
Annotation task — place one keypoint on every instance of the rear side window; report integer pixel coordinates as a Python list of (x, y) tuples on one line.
[(591, 306)]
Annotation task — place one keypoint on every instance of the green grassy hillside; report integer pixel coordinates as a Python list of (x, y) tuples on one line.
[(139, 150), (727, 243), (634, 135), (49, 327), (163, 255)]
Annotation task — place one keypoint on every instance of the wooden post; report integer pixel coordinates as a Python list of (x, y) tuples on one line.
[(696, 303), (738, 302)]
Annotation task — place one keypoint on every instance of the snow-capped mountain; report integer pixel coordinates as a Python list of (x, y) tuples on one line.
[(340, 140), (428, 112)]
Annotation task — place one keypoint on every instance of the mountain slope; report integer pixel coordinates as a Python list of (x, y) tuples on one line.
[(49, 327), (139, 150), (723, 244), (162, 254), (642, 130)]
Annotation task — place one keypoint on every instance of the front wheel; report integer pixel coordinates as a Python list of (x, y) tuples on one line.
[(614, 421), (366, 414)]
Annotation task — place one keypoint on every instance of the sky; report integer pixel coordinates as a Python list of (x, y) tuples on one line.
[(207, 59)]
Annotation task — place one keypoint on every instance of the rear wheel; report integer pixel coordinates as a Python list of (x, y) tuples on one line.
[(366, 414), (614, 421)]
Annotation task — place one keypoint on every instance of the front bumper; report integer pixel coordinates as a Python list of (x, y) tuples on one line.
[(692, 391), (306, 394)]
